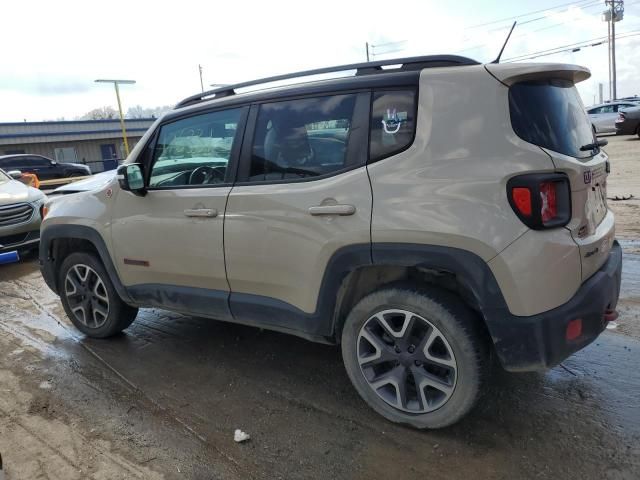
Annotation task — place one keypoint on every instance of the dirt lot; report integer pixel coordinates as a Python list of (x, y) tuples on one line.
[(163, 400)]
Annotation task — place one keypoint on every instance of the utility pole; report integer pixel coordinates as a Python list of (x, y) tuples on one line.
[(367, 48), (124, 131), (613, 14), (201, 83)]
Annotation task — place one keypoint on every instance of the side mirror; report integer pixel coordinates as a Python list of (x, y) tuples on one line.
[(15, 174), (131, 179), (53, 163)]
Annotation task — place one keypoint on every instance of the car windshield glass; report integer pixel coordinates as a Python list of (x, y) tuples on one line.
[(550, 114)]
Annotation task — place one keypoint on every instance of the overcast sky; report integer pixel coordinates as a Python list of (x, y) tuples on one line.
[(53, 50)]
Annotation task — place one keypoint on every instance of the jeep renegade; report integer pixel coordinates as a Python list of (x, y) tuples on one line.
[(426, 217)]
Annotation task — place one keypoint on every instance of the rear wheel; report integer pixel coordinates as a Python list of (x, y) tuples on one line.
[(416, 357), (89, 298)]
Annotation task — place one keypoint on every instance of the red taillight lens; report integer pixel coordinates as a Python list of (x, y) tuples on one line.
[(549, 207), (541, 200), (522, 199)]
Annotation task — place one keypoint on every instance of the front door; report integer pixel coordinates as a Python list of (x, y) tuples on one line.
[(169, 243), (302, 194)]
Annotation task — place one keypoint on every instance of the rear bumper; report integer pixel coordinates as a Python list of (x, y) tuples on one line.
[(626, 128), (539, 342)]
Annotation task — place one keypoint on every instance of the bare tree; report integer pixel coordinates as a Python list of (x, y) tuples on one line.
[(138, 111), (102, 113)]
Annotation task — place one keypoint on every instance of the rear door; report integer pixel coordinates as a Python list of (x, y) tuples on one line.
[(549, 113), (302, 194)]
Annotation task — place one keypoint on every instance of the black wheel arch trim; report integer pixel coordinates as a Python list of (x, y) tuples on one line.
[(81, 232)]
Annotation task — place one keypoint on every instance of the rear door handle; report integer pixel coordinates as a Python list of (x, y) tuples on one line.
[(332, 210), (201, 212)]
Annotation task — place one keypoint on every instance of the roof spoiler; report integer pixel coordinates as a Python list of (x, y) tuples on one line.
[(510, 73)]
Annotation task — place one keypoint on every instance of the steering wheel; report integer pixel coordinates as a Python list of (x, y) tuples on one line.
[(205, 174)]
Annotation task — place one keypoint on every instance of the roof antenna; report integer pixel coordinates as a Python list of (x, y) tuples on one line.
[(497, 60)]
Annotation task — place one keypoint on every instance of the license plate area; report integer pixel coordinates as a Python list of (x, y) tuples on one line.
[(596, 204)]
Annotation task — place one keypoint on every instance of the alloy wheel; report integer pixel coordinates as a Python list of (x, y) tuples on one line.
[(87, 296), (406, 361)]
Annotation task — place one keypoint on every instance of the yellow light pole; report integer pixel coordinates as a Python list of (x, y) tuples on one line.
[(124, 131)]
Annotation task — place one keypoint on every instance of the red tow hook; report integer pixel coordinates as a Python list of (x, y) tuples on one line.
[(610, 315)]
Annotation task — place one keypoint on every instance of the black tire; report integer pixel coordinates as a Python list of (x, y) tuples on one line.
[(118, 315), (463, 336)]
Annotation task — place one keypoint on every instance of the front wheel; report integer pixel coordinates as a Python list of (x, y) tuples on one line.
[(90, 299), (416, 357)]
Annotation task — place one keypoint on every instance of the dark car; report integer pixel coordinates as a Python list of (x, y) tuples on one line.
[(43, 167), (628, 122)]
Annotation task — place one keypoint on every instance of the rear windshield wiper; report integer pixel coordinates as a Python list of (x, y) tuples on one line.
[(592, 146)]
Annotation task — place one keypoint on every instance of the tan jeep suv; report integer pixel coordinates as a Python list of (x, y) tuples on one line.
[(425, 216)]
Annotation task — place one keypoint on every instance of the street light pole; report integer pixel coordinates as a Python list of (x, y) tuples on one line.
[(124, 130)]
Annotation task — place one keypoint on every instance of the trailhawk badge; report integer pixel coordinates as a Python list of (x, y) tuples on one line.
[(587, 177)]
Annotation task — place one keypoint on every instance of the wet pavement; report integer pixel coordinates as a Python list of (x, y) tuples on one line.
[(163, 399)]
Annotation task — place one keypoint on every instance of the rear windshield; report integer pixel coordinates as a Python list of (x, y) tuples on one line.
[(550, 114)]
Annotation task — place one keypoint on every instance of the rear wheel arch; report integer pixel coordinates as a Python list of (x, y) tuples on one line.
[(457, 271)]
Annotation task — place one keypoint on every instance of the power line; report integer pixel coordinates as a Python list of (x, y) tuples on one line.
[(570, 47), (524, 34), (534, 12)]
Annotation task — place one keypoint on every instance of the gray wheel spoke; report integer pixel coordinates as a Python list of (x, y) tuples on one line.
[(428, 343), (395, 333), (425, 379), (383, 352), (100, 291)]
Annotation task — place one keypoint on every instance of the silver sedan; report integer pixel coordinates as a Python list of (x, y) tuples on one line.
[(603, 116)]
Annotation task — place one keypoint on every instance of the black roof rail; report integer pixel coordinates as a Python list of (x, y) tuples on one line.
[(364, 68)]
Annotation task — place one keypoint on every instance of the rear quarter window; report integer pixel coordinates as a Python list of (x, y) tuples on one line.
[(393, 123), (550, 114)]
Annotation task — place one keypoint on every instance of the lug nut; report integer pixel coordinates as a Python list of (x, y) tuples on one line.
[(418, 363), (412, 349), (397, 349)]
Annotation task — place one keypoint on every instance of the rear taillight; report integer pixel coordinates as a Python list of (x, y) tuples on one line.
[(540, 200), (620, 118), (549, 207)]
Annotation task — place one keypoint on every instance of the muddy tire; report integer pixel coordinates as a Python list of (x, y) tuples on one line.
[(90, 299), (417, 357)]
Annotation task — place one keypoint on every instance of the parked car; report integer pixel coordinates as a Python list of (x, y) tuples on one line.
[(43, 167), (603, 116), (95, 181), (628, 122), (426, 217), (20, 215)]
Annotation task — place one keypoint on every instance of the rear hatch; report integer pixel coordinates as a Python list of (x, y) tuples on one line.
[(546, 110)]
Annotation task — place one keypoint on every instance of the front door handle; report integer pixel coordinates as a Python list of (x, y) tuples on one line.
[(332, 210), (201, 212)]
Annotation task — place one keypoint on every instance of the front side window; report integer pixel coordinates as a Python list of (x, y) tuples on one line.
[(550, 114), (194, 150), (393, 123), (303, 138)]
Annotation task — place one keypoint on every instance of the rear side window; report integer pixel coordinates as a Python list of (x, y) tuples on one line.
[(550, 114), (303, 138), (393, 123)]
